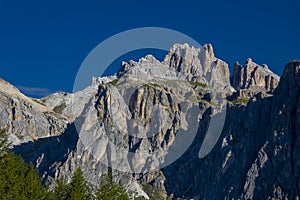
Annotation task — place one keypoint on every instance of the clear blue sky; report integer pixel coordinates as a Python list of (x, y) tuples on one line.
[(43, 43)]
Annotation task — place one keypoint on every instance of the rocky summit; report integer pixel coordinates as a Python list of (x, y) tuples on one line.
[(183, 128)]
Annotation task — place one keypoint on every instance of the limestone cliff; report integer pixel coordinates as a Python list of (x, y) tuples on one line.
[(174, 126), (252, 78), (26, 119)]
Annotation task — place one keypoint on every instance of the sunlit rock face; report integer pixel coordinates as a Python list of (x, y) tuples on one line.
[(252, 78), (26, 119), (151, 124)]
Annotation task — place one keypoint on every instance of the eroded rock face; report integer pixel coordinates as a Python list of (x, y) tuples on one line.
[(130, 122), (257, 155), (252, 78), (183, 63), (131, 125), (199, 65), (24, 118), (276, 168), (143, 110), (71, 105)]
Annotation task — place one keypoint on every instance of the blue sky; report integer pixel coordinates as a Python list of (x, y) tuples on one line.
[(43, 43)]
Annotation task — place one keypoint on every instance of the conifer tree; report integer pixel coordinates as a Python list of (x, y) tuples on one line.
[(33, 184), (61, 190), (109, 190), (78, 186), (18, 180)]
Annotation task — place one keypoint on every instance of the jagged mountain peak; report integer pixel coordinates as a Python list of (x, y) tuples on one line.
[(144, 61), (249, 61), (183, 62), (181, 46), (186, 47), (148, 59), (199, 65), (210, 50), (251, 78), (168, 99), (96, 81)]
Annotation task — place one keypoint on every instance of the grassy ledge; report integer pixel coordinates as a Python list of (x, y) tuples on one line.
[(197, 84), (240, 100)]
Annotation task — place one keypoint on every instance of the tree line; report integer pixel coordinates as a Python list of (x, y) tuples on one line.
[(20, 181)]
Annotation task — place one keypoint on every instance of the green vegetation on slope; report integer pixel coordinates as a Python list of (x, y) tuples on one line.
[(153, 192), (114, 82), (60, 108), (109, 190), (18, 180), (240, 100), (198, 84)]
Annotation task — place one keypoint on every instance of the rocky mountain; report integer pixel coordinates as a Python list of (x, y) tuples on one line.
[(26, 119), (252, 78), (181, 127), (257, 155)]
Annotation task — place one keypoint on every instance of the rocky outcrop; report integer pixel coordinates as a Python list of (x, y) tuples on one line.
[(252, 78), (199, 65), (71, 105), (26, 119), (146, 68)]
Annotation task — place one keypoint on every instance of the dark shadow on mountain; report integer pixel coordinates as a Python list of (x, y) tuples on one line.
[(186, 176), (177, 185), (48, 153)]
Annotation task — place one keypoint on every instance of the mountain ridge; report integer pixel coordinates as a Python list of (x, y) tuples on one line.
[(122, 121)]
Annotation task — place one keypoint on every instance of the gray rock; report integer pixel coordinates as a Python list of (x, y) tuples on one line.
[(252, 78), (153, 113), (135, 191), (26, 119), (199, 65)]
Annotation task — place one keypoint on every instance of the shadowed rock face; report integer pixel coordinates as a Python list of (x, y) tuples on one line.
[(257, 155), (152, 113)]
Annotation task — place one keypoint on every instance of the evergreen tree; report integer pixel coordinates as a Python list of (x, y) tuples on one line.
[(61, 190), (18, 180), (33, 187), (110, 190), (11, 177), (78, 186)]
